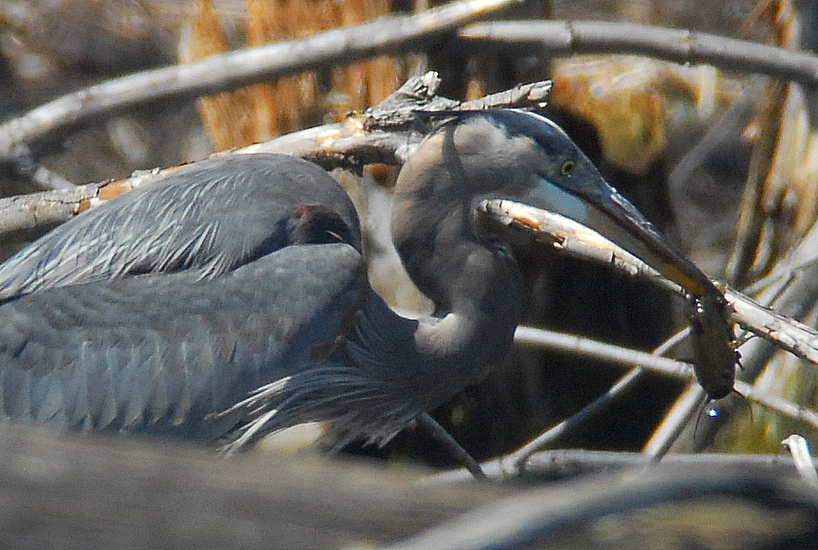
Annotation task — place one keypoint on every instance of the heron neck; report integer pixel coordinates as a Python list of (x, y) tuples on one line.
[(476, 288)]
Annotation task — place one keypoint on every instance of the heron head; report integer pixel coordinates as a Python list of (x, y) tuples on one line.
[(525, 157)]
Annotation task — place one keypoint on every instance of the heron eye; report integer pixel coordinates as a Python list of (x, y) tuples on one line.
[(567, 167)]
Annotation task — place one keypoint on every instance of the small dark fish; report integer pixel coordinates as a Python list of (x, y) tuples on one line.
[(714, 353)]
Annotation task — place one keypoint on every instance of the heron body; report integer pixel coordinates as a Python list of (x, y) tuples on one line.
[(230, 298), (150, 314)]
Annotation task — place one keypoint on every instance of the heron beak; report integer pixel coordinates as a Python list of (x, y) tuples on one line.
[(598, 206)]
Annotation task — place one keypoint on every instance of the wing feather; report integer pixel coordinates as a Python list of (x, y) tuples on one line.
[(209, 217), (152, 359)]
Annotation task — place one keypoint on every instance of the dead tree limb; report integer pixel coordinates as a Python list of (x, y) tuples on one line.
[(383, 134), (573, 238), (396, 34), (391, 34)]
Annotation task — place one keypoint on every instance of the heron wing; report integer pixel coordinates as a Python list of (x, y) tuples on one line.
[(163, 353), (208, 218)]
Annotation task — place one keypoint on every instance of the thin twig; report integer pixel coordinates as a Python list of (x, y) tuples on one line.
[(674, 422), (594, 349), (566, 462), (778, 404), (679, 45), (676, 369), (802, 458), (460, 454), (41, 176), (567, 343), (521, 455)]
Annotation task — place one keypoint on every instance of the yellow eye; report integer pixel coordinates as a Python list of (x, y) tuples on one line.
[(567, 167)]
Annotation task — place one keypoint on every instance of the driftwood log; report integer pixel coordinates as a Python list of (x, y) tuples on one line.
[(74, 490), (97, 491)]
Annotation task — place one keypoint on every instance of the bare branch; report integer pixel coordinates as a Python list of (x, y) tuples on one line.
[(679, 45), (594, 349), (401, 108), (674, 422), (385, 133), (522, 95), (567, 462), (588, 347), (573, 238), (48, 208), (786, 333), (388, 35), (638, 507), (802, 457), (27, 212), (381, 135)]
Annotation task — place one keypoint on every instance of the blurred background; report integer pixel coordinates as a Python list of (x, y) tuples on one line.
[(726, 164)]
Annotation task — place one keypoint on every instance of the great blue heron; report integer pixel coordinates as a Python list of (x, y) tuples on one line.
[(230, 297)]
